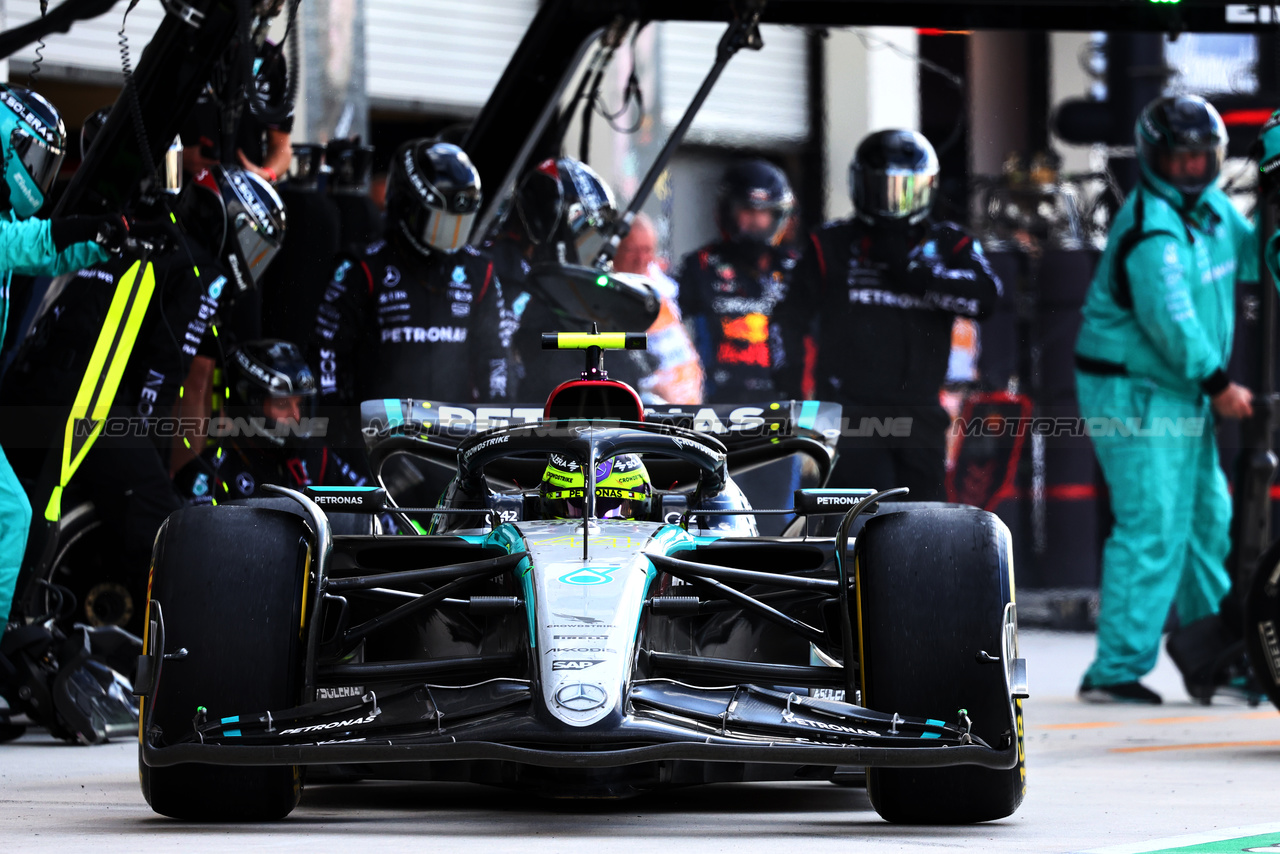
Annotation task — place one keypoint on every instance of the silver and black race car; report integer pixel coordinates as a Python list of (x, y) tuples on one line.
[(584, 657)]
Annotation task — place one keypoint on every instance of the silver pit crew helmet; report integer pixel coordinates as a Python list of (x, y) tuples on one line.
[(893, 178), (433, 194)]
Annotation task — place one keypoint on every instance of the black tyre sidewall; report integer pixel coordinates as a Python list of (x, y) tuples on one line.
[(931, 590), (229, 581), (1262, 623)]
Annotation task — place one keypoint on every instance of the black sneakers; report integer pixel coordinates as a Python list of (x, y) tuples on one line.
[(1122, 692)]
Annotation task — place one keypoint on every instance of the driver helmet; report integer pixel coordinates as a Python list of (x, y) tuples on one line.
[(622, 489), (755, 185), (271, 378), (433, 195), (893, 178), (34, 141), (1182, 142), (565, 203)]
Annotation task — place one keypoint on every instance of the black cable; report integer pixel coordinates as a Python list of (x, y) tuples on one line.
[(630, 93), (40, 45), (929, 65), (135, 105)]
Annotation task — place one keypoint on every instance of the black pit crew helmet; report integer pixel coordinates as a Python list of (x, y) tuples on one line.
[(1182, 143), (754, 185), (34, 141), (893, 178), (623, 490), (271, 379), (237, 216), (433, 194), (170, 166), (350, 166), (565, 203), (255, 222)]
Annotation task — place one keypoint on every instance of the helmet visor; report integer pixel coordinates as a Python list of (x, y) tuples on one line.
[(254, 245), (40, 159), (446, 231), (1189, 169), (896, 193)]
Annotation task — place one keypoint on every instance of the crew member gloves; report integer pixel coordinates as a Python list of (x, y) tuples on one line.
[(108, 231)]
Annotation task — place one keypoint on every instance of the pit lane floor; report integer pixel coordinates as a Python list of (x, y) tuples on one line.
[(1118, 779)]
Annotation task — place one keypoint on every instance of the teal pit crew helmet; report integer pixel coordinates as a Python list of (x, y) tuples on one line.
[(1182, 142), (1266, 150), (34, 141)]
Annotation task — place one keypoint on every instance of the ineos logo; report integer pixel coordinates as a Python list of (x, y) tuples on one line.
[(581, 697)]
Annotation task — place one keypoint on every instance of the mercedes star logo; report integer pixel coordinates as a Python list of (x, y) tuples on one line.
[(581, 697)]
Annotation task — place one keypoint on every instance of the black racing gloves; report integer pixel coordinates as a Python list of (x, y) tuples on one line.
[(108, 231)]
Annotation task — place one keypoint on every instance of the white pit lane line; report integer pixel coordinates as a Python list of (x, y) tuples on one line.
[(1222, 835)]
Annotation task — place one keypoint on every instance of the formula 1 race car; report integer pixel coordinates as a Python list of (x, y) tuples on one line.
[(590, 657)]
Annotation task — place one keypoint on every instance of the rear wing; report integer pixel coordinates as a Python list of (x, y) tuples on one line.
[(380, 419)]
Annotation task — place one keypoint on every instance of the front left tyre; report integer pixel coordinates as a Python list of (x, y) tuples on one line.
[(231, 585)]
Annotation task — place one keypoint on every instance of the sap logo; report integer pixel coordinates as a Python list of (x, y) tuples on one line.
[(575, 663)]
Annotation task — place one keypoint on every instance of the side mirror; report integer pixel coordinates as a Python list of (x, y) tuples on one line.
[(611, 300)]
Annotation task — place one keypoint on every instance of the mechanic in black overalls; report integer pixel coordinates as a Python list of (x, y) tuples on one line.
[(561, 207), (417, 313), (729, 288), (230, 221), (263, 431), (880, 293)]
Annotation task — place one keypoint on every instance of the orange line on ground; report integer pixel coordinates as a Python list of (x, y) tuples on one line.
[(1187, 719), (1207, 746), (1177, 719)]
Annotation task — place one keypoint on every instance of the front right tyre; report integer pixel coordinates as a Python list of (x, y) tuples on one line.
[(932, 586)]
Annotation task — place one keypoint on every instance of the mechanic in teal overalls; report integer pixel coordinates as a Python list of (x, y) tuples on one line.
[(32, 137), (1151, 376)]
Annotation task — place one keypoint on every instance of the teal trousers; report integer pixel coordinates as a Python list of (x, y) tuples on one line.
[(1172, 512), (15, 522)]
